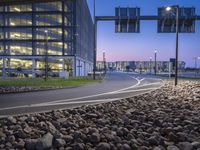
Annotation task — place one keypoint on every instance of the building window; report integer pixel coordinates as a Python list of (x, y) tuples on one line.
[(54, 48), (1, 9), (19, 33), (68, 20), (1, 33), (1, 48), (19, 48), (68, 48), (68, 34), (68, 7), (24, 64), (51, 6), (48, 20), (1, 20), (20, 8), (18, 20), (53, 33)]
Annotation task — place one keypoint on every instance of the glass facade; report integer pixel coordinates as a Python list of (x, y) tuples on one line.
[(56, 27)]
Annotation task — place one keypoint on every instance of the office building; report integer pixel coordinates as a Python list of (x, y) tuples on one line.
[(32, 32)]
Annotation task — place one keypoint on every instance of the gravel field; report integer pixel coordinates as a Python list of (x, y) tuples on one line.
[(166, 119)]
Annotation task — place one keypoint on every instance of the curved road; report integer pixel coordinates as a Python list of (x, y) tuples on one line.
[(115, 86)]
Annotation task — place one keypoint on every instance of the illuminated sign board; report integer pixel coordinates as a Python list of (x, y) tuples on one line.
[(127, 22), (167, 20)]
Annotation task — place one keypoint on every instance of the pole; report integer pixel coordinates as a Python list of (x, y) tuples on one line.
[(95, 41), (195, 65), (169, 69), (150, 65), (104, 61), (46, 57), (177, 31), (155, 63)]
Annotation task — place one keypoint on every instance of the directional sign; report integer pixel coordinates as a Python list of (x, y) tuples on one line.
[(167, 20), (127, 21)]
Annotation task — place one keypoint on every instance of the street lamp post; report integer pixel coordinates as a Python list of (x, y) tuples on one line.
[(195, 63), (177, 40), (104, 61), (95, 41), (46, 56), (150, 65), (156, 62)]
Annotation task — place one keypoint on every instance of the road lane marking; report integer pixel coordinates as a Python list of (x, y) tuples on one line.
[(137, 90), (40, 105)]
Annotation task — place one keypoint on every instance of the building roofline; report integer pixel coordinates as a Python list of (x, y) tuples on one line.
[(15, 2)]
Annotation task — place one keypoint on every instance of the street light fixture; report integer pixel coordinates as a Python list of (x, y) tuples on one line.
[(177, 31), (155, 61)]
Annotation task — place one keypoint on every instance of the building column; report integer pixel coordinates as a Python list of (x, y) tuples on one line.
[(33, 68), (4, 69)]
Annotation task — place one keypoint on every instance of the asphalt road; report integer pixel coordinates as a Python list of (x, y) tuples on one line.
[(115, 86)]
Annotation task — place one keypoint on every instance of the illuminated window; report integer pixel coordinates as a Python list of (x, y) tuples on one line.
[(19, 33), (53, 33), (54, 48), (48, 20), (1, 9), (1, 33), (1, 48), (20, 8), (18, 19), (25, 64), (53, 6), (1, 20), (20, 48), (68, 21)]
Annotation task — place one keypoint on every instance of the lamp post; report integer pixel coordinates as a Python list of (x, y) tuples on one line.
[(155, 53), (46, 56), (195, 63), (150, 64), (95, 41), (177, 40), (104, 61)]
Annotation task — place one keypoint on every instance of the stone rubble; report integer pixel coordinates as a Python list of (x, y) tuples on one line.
[(165, 119), (7, 90)]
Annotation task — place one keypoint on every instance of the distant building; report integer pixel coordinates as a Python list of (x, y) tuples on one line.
[(144, 66)]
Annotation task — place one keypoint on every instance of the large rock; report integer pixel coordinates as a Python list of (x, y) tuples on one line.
[(172, 147), (45, 142), (103, 146), (59, 143), (95, 138), (185, 146), (30, 144)]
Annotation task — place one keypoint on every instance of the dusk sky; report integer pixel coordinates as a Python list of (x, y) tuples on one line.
[(134, 46)]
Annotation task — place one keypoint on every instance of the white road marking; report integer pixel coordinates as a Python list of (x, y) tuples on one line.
[(137, 90), (39, 105)]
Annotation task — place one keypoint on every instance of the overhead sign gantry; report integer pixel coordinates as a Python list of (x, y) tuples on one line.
[(175, 19)]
